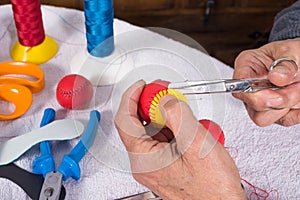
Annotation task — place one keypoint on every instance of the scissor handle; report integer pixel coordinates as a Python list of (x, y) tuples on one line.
[(11, 72), (249, 85), (19, 95)]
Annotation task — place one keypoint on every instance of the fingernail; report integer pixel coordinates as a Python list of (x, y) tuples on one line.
[(274, 102), (141, 81), (283, 70)]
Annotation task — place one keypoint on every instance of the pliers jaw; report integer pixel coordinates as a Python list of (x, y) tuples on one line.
[(51, 189)]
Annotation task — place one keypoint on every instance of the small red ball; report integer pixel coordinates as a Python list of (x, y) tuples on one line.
[(74, 92), (148, 93), (214, 129)]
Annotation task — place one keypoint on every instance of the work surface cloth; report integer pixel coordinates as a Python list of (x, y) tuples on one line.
[(268, 158)]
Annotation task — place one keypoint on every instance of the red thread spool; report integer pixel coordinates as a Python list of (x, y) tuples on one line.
[(29, 23)]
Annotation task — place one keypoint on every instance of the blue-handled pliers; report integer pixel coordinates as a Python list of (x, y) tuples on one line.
[(69, 166)]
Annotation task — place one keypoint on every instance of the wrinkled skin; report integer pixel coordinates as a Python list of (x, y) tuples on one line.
[(194, 166), (267, 107)]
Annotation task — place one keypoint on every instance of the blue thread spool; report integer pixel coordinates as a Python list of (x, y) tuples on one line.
[(104, 61), (99, 16)]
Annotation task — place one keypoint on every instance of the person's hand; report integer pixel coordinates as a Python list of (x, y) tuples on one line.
[(182, 161), (279, 106)]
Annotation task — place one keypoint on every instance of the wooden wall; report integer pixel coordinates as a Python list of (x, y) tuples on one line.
[(232, 26)]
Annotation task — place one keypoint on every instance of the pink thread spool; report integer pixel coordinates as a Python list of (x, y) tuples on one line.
[(32, 45)]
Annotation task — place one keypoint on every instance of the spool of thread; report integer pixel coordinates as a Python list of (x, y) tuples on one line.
[(104, 62), (99, 15), (32, 45), (28, 20)]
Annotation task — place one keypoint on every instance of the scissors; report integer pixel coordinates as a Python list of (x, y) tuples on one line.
[(222, 86), (18, 80), (69, 167)]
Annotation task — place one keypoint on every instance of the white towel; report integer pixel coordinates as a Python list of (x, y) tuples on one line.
[(267, 157)]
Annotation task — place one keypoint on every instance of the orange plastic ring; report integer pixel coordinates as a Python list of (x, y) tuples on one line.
[(9, 70), (19, 95)]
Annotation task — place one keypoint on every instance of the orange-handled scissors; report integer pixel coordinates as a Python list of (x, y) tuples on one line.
[(18, 80)]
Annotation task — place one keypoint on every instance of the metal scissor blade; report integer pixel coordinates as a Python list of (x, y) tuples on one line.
[(221, 86), (260, 84), (199, 87)]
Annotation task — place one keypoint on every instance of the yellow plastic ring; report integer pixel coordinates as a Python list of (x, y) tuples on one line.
[(37, 54)]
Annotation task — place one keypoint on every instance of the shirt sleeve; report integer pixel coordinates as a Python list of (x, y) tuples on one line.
[(287, 23)]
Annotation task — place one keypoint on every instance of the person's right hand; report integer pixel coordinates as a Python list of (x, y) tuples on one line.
[(272, 106), (193, 165)]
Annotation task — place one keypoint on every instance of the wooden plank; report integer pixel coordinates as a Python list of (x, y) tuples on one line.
[(192, 4), (190, 23), (227, 47), (223, 4), (223, 10), (2, 2), (77, 4), (142, 5), (267, 3)]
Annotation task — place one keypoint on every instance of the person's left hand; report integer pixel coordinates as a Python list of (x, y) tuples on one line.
[(193, 165), (280, 106)]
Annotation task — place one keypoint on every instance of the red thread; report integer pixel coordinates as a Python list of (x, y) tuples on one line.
[(28, 49), (29, 23), (257, 193), (254, 193)]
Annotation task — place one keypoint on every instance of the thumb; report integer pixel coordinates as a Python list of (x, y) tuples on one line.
[(180, 119), (283, 71)]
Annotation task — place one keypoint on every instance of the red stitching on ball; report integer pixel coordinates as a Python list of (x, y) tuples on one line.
[(72, 93)]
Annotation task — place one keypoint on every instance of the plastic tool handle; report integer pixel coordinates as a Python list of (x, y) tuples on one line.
[(69, 166), (29, 182), (49, 116), (45, 162)]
